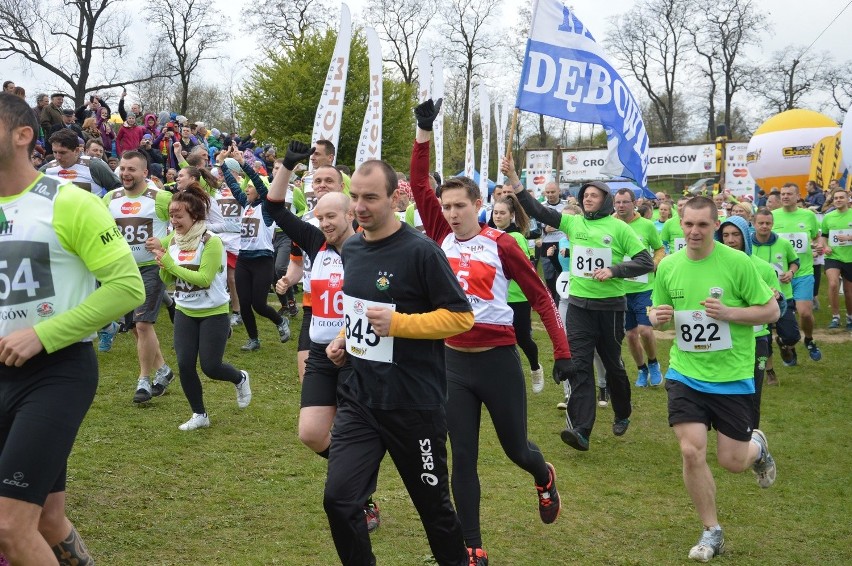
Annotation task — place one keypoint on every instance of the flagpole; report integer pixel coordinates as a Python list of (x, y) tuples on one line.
[(512, 131)]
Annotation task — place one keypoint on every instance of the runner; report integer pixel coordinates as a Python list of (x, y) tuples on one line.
[(800, 227), (255, 265), (483, 367), (55, 241), (85, 172), (194, 260), (400, 301), (142, 214), (672, 233), (595, 318), (780, 254), (714, 296), (837, 228), (640, 335)]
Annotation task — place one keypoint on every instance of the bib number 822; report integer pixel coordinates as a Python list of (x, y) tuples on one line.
[(686, 332), (357, 332)]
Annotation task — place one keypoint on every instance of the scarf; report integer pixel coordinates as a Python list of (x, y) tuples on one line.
[(192, 238)]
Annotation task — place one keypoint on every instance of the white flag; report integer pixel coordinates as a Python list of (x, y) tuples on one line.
[(438, 126), (370, 144), (424, 70), (501, 118), (330, 109), (469, 165), (485, 119)]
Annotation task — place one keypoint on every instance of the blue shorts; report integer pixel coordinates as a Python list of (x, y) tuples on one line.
[(803, 288), (637, 310)]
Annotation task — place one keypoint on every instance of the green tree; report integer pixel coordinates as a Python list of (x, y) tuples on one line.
[(280, 99)]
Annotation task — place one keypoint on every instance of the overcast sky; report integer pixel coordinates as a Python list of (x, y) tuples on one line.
[(791, 26)]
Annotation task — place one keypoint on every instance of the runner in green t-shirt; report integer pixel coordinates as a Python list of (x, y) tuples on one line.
[(715, 297), (672, 233), (837, 242), (595, 319), (800, 226), (640, 335)]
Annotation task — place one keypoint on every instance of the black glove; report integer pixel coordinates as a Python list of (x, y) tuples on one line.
[(296, 151), (426, 112), (563, 369)]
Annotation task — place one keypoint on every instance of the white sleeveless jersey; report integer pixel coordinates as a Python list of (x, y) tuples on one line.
[(79, 174), (326, 284), (39, 279), (479, 271), (137, 219), (193, 297), (255, 235), (232, 217), (306, 260)]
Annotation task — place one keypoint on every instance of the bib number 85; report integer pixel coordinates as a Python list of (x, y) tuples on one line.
[(357, 332), (686, 332)]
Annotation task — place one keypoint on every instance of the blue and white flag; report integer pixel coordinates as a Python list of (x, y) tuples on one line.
[(567, 75)]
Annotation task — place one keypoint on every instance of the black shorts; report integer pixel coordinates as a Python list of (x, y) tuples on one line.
[(305, 331), (845, 268), (42, 405), (319, 386), (731, 415), (154, 288)]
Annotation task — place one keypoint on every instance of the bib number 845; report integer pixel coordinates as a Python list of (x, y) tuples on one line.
[(356, 331)]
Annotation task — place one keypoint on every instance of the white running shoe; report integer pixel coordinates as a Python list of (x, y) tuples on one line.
[(764, 468), (562, 405), (711, 543), (537, 380), (197, 421), (243, 391)]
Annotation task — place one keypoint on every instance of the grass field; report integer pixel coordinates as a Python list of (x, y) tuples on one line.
[(246, 491)]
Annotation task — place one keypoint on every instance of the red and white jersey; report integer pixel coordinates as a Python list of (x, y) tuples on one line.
[(479, 270), (326, 287)]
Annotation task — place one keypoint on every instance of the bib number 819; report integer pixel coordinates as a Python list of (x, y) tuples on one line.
[(590, 264)]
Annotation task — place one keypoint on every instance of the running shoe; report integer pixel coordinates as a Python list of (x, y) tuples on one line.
[(292, 309), (243, 390), (575, 439), (816, 304), (711, 543), (106, 335), (251, 345), (813, 351), (848, 322), (284, 329), (537, 380), (764, 467), (549, 503), (162, 379), (603, 397), (656, 374), (835, 323), (642, 379), (772, 378), (372, 515), (236, 319), (562, 405), (619, 427), (195, 422), (143, 391), (477, 556), (788, 353)]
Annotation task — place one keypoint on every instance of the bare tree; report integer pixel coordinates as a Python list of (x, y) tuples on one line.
[(790, 75), (653, 41), (837, 80), (192, 29), (400, 24), (470, 40), (287, 22), (81, 42)]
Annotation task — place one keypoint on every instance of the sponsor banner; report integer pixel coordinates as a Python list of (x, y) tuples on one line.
[(539, 170), (826, 161), (438, 126), (568, 75), (485, 119), (330, 109), (737, 178), (424, 69), (501, 119), (370, 144), (662, 161)]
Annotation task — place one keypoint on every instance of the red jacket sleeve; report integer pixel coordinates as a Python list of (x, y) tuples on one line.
[(517, 267), (427, 203)]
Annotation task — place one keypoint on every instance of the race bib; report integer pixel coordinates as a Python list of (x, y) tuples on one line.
[(840, 238), (361, 340), (25, 274), (799, 240), (563, 285), (250, 227), (230, 208), (327, 296), (697, 332), (585, 261), (135, 230), (679, 244), (638, 278)]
